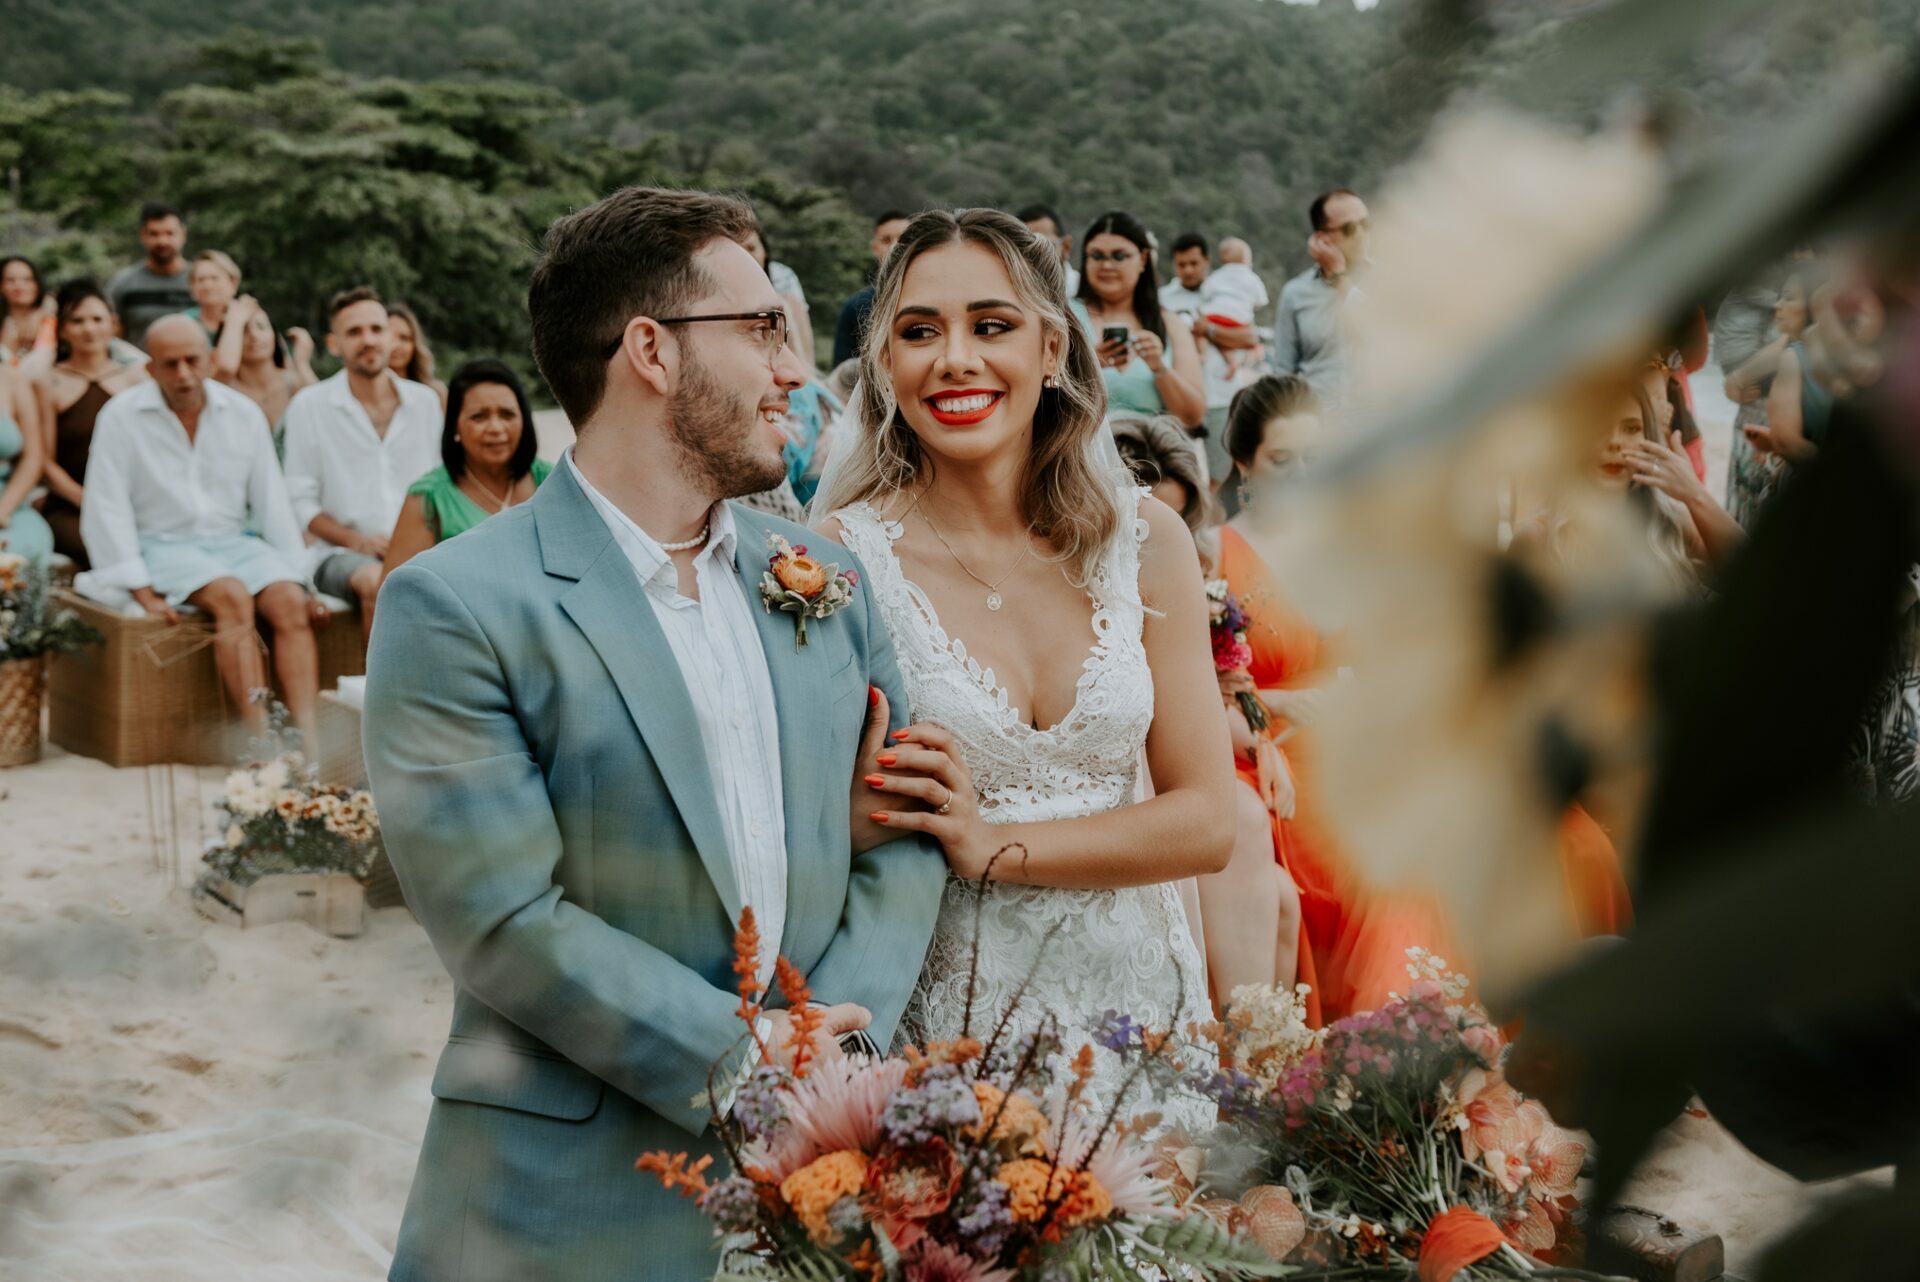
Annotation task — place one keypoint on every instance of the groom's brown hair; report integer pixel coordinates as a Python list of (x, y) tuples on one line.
[(628, 255)]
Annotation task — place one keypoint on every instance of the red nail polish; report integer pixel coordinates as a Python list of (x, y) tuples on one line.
[(878, 816), (900, 734), (886, 758), (873, 696), (874, 781)]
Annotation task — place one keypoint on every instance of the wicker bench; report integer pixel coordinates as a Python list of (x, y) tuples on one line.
[(151, 694)]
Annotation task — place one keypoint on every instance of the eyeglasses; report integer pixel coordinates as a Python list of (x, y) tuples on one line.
[(774, 339), (1117, 257)]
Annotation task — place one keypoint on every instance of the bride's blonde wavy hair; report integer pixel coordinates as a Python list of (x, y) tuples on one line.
[(1064, 497)]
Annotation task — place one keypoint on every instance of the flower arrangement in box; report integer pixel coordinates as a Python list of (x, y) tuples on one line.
[(1386, 1145), (956, 1162), (276, 818)]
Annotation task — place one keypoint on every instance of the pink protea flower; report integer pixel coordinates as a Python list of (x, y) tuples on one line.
[(1127, 1171), (936, 1263), (839, 1103), (780, 1153)]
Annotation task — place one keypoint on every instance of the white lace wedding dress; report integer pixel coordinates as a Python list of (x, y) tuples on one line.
[(1127, 950)]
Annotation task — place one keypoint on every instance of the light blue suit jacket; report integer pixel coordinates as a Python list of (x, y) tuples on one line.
[(544, 794)]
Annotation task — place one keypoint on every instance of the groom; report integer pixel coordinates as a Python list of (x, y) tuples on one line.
[(591, 746)]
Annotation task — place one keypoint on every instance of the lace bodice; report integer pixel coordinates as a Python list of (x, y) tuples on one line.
[(1127, 950)]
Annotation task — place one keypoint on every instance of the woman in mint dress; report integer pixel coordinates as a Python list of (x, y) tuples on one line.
[(488, 446), (22, 460)]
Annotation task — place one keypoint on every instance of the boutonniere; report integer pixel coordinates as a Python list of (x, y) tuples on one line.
[(797, 584)]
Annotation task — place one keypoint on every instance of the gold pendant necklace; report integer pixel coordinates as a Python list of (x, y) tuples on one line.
[(994, 599)]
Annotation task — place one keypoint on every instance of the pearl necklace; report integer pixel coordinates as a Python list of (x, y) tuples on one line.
[(689, 544)]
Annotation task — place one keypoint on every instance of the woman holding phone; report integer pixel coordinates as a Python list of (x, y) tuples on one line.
[(1147, 356)]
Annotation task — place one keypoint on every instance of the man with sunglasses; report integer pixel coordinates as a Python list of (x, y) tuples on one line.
[(593, 747), (1306, 327)]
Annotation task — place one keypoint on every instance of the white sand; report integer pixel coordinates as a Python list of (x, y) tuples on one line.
[(181, 1099)]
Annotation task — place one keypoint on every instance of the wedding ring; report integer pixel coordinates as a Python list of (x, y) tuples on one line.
[(945, 805)]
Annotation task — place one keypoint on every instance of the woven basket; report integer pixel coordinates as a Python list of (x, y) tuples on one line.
[(23, 689)]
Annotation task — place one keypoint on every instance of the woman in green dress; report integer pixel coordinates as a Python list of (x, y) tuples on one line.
[(488, 446)]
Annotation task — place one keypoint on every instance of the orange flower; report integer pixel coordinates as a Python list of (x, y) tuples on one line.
[(675, 1174), (1082, 1073), (908, 1186), (805, 1019), (746, 967), (1015, 1118), (801, 574), (813, 1189), (1272, 1220), (1082, 1199), (1454, 1239), (1533, 1232)]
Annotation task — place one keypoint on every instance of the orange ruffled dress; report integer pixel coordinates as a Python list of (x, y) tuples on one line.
[(1354, 938)]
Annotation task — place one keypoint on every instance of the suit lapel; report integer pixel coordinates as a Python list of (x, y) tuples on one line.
[(610, 607), (800, 681)]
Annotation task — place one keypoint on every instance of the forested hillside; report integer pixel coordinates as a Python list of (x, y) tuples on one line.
[(423, 144)]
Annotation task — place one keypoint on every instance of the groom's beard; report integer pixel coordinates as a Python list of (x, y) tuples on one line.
[(714, 432)]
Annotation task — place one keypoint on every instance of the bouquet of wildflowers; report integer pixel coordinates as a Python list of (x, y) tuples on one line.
[(957, 1162), (1232, 655), (277, 818), (1386, 1143), (29, 626)]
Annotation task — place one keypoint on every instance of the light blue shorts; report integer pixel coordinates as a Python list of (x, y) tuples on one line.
[(181, 567)]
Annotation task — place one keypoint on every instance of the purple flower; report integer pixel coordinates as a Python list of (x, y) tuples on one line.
[(986, 1223), (733, 1205), (760, 1107), (1115, 1031), (942, 1101)]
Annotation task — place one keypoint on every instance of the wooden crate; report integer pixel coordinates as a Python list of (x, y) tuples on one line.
[(332, 903), (151, 694)]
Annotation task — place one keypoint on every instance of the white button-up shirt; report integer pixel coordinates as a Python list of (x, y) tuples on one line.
[(146, 480), (337, 463), (716, 643)]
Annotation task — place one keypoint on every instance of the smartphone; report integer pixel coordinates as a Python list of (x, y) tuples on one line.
[(1115, 334)]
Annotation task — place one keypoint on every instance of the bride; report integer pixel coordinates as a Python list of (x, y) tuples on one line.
[(1042, 611)]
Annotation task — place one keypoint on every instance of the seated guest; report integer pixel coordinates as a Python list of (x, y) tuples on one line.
[(215, 282), (27, 337), (182, 472), (85, 376), (354, 443), (411, 357), (250, 357), (1165, 459), (22, 461), (487, 448)]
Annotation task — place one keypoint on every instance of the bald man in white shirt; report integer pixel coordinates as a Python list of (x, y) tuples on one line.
[(180, 477)]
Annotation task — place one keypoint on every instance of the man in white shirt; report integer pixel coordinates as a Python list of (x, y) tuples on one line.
[(185, 505), (355, 442)]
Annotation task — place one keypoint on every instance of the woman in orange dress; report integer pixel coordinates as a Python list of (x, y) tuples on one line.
[(1354, 937)]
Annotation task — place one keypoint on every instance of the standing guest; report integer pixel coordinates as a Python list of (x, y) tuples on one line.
[(1192, 260), (786, 283), (488, 463), (1752, 327), (23, 452), (1146, 354), (27, 330), (355, 443), (1044, 222), (409, 355), (1306, 328), (852, 329), (215, 283), (251, 358), (159, 285), (182, 474), (72, 393)]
